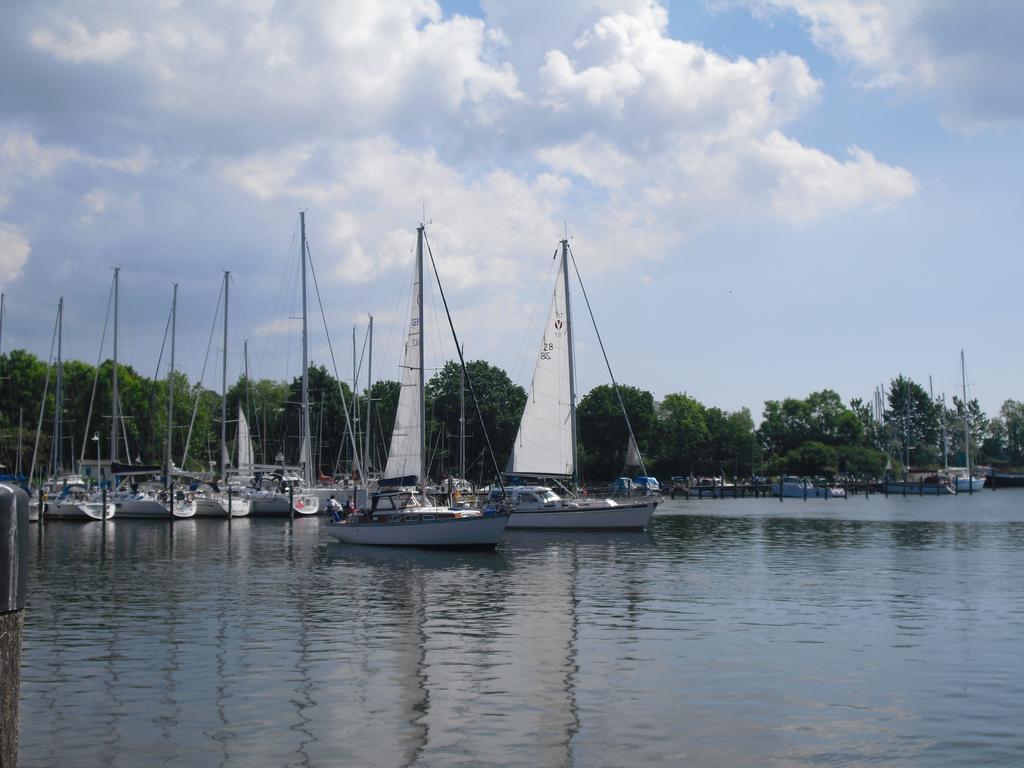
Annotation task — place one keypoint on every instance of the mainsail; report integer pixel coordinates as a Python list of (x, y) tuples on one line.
[(405, 455), (244, 442), (543, 445)]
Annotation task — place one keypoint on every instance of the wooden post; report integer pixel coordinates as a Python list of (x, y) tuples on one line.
[(782, 491), (229, 505), (291, 502), (103, 496), (13, 578)]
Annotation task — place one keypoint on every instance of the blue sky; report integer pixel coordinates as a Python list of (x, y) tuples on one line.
[(765, 197)]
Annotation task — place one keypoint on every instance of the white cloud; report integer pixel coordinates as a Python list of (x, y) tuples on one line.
[(678, 134), (14, 251), (373, 191), (22, 157), (811, 182), (967, 53), (68, 39)]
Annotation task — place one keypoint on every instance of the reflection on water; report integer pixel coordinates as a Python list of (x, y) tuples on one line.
[(744, 632)]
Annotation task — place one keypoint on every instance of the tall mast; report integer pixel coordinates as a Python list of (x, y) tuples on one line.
[(462, 418), (170, 386), (967, 431), (306, 452), (224, 387), (116, 412), (355, 402), (419, 341), (572, 363), (58, 461), (245, 362), (2, 299), (369, 401)]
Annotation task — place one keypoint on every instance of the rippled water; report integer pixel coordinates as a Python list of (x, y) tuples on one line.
[(741, 633)]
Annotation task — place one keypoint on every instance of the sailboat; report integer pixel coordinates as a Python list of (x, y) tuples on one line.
[(68, 493), (398, 515), (218, 503), (546, 446), (966, 481), (129, 501)]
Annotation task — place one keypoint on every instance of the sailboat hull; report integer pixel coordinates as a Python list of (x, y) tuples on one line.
[(208, 506), (82, 510), (450, 533), (596, 517), (271, 505), (141, 509)]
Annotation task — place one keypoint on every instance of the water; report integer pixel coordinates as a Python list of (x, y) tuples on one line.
[(741, 633)]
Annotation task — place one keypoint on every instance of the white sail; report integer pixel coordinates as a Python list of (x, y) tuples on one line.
[(244, 442), (406, 449), (225, 460), (543, 444), (632, 453)]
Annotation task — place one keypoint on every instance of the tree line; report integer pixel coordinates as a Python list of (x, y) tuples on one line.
[(678, 435)]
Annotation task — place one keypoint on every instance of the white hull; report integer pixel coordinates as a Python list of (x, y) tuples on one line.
[(634, 516), (969, 484), (896, 488), (184, 509), (208, 506), (269, 506), (796, 491), (82, 510), (306, 503), (141, 509), (459, 532)]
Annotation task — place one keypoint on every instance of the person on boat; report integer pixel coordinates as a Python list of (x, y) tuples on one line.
[(349, 506), (334, 508)]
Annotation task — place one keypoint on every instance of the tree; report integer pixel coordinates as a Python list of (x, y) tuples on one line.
[(682, 431), (501, 404), (913, 421), (1012, 416), (384, 401), (602, 432), (977, 426), (812, 458)]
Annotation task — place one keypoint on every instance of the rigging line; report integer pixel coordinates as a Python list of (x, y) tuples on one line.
[(156, 378), (202, 374), (341, 392), (42, 408), (615, 385), (96, 377), (462, 362)]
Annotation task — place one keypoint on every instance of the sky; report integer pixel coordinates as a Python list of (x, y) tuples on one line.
[(765, 198)]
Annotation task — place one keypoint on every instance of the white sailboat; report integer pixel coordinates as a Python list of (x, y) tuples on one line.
[(546, 446), (67, 496), (130, 502), (403, 517), (966, 481)]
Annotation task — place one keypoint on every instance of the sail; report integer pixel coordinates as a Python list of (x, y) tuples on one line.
[(543, 444), (244, 442), (632, 453), (406, 449)]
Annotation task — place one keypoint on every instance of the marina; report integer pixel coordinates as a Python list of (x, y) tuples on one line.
[(734, 632)]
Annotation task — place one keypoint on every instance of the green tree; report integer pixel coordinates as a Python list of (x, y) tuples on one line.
[(682, 432), (501, 407), (913, 420), (812, 458), (602, 431)]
